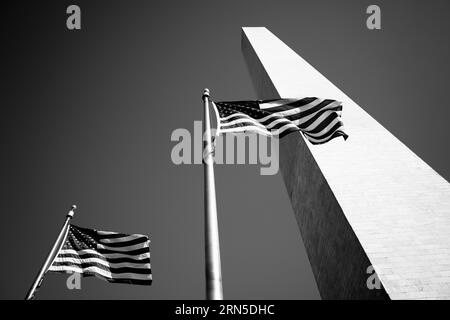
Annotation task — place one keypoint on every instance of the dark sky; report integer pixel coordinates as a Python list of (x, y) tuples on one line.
[(86, 118)]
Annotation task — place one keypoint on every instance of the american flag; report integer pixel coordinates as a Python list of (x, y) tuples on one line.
[(112, 256), (318, 119)]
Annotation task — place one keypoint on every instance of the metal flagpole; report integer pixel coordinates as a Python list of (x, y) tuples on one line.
[(56, 246), (212, 247)]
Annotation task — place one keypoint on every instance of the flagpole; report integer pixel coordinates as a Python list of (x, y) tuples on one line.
[(51, 255), (212, 248)]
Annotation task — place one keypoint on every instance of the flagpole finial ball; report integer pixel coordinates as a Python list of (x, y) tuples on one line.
[(71, 213), (206, 93)]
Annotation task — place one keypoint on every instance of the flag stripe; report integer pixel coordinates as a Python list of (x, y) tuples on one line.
[(292, 104), (109, 241), (98, 271), (128, 253), (245, 129), (111, 270), (125, 247), (76, 260), (115, 235), (276, 103), (110, 260), (108, 256), (326, 139)]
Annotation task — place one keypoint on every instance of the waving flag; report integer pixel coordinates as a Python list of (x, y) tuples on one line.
[(319, 120), (112, 256)]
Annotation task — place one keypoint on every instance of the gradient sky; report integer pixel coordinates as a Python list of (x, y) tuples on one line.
[(86, 119)]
